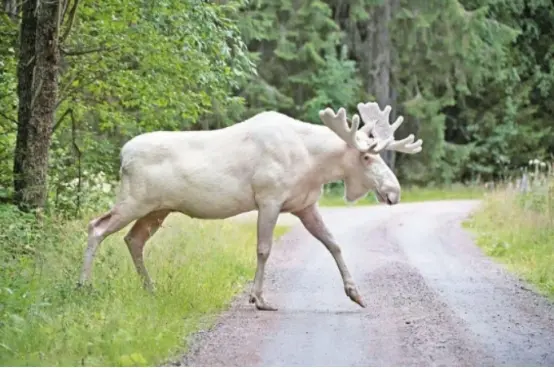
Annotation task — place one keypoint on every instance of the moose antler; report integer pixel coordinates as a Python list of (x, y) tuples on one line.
[(377, 124), (338, 124)]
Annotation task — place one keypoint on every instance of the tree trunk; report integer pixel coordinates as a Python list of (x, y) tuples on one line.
[(37, 92), (25, 72), (378, 59)]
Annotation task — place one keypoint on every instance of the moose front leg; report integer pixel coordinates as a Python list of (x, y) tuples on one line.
[(313, 222), (267, 219)]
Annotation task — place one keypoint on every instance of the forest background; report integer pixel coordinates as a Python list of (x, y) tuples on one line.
[(78, 78), (473, 78)]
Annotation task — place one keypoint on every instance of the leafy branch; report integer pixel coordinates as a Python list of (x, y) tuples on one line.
[(87, 51)]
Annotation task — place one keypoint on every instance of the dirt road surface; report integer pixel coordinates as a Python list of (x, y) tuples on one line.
[(432, 299)]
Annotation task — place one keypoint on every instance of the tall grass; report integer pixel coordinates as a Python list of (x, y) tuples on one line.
[(518, 229), (45, 321)]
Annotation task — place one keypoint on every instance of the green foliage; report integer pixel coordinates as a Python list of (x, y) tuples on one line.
[(295, 44), (46, 321), (8, 100), (508, 121), (166, 64), (92, 192), (335, 84), (517, 229), (131, 67), (465, 53), (473, 78)]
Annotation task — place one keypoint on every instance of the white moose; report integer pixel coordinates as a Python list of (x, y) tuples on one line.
[(270, 162)]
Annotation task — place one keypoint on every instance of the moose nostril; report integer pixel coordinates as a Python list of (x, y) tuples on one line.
[(392, 198)]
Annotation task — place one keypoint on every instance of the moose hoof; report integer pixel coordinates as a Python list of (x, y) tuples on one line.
[(261, 304), (149, 288), (79, 285), (352, 293), (83, 287)]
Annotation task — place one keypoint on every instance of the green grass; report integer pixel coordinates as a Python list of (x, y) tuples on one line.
[(411, 194), (518, 231), (197, 266)]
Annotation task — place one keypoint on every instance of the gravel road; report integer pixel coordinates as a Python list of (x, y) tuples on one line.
[(432, 299)]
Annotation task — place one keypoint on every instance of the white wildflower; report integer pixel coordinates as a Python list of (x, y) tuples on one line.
[(106, 188)]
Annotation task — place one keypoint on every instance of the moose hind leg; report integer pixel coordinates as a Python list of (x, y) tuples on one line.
[(143, 229), (99, 229)]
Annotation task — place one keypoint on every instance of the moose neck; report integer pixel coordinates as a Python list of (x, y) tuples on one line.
[(333, 158)]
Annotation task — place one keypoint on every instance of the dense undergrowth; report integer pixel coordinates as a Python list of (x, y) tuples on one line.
[(45, 321), (518, 230)]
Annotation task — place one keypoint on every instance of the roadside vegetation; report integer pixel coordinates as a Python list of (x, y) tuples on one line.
[(517, 229), (197, 266)]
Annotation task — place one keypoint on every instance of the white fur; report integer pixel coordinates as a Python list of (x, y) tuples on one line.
[(221, 173), (271, 163)]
